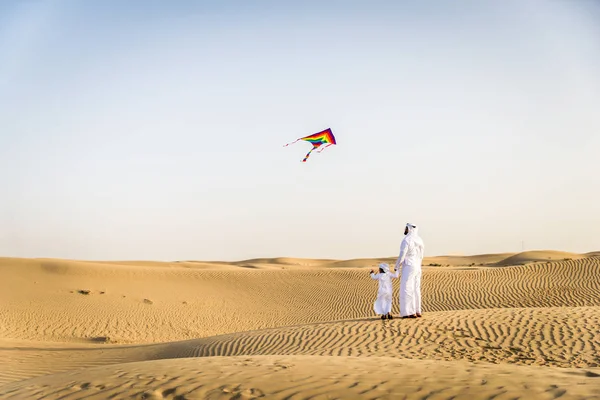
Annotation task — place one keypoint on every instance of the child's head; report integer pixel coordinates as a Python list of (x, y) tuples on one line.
[(384, 268)]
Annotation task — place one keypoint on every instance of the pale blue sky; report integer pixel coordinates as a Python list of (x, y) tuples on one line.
[(155, 130)]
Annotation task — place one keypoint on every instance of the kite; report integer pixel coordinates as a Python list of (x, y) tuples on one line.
[(320, 140)]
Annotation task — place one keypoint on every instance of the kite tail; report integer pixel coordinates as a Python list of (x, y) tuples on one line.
[(324, 147), (285, 145), (308, 154)]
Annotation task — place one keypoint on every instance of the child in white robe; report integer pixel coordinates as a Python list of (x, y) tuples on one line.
[(383, 303)]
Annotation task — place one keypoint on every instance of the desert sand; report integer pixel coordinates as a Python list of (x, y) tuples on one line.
[(499, 326)]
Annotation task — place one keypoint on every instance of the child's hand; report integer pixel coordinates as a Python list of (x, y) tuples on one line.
[(371, 272)]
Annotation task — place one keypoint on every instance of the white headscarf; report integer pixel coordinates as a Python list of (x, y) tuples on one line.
[(385, 267), (411, 228)]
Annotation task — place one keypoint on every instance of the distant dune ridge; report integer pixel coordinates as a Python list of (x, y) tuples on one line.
[(495, 326)]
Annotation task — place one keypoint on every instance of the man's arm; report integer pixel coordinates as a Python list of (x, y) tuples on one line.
[(402, 256)]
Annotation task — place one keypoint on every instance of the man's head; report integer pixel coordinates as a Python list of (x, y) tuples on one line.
[(409, 228)]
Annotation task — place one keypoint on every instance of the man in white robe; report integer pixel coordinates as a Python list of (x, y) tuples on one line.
[(412, 250), (383, 303)]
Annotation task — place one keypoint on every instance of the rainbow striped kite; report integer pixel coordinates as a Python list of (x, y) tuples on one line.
[(321, 139)]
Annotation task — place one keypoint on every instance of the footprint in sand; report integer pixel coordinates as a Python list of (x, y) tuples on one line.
[(239, 392)]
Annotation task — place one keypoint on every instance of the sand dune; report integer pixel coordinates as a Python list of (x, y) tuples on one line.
[(503, 259), (41, 300), (127, 319), (564, 337), (561, 337), (309, 377), (476, 260), (541, 256)]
